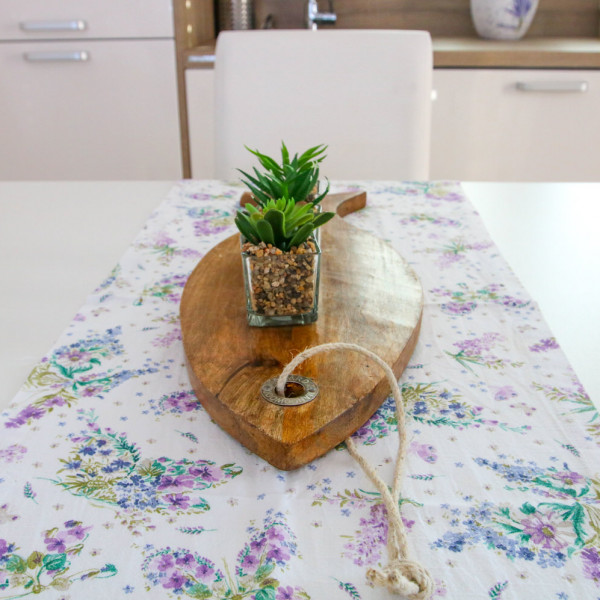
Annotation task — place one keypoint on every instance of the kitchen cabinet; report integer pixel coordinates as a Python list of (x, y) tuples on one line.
[(200, 86), (516, 125), (488, 124), (88, 90)]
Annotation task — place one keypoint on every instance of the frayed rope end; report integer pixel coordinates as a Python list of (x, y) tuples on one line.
[(403, 577)]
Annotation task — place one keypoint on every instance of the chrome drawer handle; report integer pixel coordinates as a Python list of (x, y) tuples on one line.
[(78, 56), (553, 86), (201, 59), (74, 25)]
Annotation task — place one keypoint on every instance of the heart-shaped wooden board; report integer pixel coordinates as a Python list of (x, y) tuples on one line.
[(369, 296)]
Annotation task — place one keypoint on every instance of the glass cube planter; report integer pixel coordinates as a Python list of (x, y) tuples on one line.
[(282, 288)]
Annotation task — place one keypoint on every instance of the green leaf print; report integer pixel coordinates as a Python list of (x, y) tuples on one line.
[(199, 590), (55, 562), (267, 593), (497, 590), (264, 571), (527, 508), (16, 564)]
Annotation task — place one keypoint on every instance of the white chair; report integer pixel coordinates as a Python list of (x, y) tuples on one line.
[(364, 93)]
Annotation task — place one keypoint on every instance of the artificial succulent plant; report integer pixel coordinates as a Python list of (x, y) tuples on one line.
[(285, 214)]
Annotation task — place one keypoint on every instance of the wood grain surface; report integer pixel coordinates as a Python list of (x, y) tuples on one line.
[(369, 296)]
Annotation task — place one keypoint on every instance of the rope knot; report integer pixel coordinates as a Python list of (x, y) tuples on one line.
[(404, 577)]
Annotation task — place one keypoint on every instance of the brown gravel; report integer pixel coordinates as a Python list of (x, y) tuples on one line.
[(281, 283)]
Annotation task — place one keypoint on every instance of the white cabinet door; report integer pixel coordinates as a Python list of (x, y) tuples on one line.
[(69, 19), (200, 84), (516, 125), (89, 110)]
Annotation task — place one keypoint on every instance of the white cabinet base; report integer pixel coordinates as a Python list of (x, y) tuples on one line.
[(486, 127)]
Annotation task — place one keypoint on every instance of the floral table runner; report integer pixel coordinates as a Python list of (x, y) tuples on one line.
[(114, 482)]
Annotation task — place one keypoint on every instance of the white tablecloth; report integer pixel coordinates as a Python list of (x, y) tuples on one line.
[(111, 470)]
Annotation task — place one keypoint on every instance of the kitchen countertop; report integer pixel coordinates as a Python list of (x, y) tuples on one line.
[(548, 53), (555, 53)]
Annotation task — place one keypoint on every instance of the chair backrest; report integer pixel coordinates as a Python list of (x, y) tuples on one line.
[(364, 93)]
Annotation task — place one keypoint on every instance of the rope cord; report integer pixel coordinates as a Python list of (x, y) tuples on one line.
[(401, 575)]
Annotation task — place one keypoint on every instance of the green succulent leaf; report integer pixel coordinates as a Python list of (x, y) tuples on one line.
[(285, 155), (311, 154), (291, 229), (265, 231), (321, 196), (277, 221), (301, 235), (246, 228), (322, 218)]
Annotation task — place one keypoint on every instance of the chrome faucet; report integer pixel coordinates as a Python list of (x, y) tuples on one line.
[(315, 18)]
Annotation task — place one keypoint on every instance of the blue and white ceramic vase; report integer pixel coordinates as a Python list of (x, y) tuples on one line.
[(503, 19)]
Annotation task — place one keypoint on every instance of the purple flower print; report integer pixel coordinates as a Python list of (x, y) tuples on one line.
[(181, 481), (425, 451), (208, 473), (366, 548), (165, 562), (55, 544), (176, 581), (544, 345), (278, 554), (286, 593), (178, 501), (250, 560), (259, 544), (179, 570), (186, 560), (162, 239), (513, 302), (569, 477), (75, 355), (275, 533), (178, 402), (56, 541), (91, 390), (546, 530), (204, 572), (185, 573), (591, 564), (56, 401), (29, 412), (77, 532), (211, 221), (477, 346), (3, 547), (504, 393), (13, 453), (456, 308)]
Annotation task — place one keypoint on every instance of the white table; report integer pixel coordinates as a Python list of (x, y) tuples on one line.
[(59, 240)]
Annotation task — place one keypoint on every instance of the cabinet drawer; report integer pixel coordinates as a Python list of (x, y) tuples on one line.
[(44, 19), (89, 110), (516, 125)]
